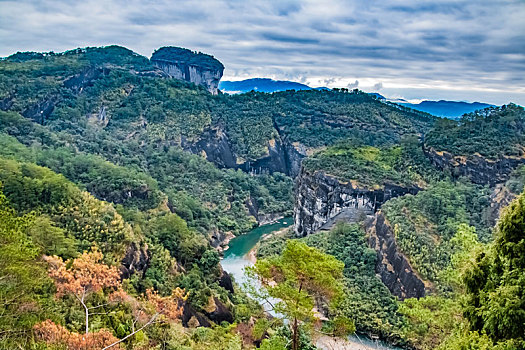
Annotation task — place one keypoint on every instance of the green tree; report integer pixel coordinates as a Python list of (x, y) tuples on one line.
[(495, 281), (296, 278), (50, 239), (23, 281)]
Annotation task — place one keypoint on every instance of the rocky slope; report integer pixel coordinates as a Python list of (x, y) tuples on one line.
[(392, 266), (322, 201), (183, 64), (479, 169), (281, 156), (321, 198)]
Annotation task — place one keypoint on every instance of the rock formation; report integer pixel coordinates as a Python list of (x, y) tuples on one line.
[(322, 201), (392, 266), (479, 169), (136, 260), (184, 64), (321, 197), (215, 145)]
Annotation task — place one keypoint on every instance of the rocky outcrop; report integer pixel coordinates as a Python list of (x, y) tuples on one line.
[(392, 266), (41, 111), (184, 64), (218, 312), (500, 198), (85, 78), (137, 259), (193, 318), (479, 169), (225, 281), (321, 198), (219, 240), (322, 201), (281, 156)]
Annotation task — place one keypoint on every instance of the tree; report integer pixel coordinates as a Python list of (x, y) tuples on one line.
[(495, 281), (296, 278), (86, 275), (23, 280), (50, 239)]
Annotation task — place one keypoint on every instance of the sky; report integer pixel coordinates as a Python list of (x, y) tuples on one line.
[(470, 50)]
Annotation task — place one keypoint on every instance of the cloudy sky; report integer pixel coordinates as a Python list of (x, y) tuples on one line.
[(472, 50)]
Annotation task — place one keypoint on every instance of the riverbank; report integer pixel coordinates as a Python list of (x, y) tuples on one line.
[(252, 254), (325, 342)]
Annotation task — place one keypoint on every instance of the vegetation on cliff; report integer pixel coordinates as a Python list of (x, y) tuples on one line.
[(372, 167), (495, 282), (493, 132), (425, 223), (182, 55)]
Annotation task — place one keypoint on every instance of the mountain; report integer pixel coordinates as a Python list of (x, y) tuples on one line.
[(195, 67), (450, 109), (260, 85), (139, 174)]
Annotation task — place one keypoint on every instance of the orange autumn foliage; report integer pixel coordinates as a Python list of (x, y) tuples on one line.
[(169, 307), (54, 334), (87, 274)]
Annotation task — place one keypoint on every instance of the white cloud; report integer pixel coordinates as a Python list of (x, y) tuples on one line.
[(429, 45)]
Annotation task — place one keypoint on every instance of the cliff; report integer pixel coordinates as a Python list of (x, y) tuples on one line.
[(322, 199), (184, 64), (392, 266), (215, 145), (478, 169)]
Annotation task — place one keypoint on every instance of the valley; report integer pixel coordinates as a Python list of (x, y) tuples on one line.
[(393, 223)]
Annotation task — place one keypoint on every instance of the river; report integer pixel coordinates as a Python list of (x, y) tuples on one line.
[(236, 258)]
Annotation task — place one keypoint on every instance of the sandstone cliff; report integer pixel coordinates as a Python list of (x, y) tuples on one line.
[(392, 266), (281, 156), (184, 64), (479, 169), (321, 198)]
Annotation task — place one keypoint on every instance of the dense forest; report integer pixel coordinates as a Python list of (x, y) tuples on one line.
[(114, 213)]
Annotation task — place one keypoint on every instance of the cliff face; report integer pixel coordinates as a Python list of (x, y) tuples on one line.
[(392, 266), (480, 170), (215, 145), (321, 200), (500, 198), (183, 64)]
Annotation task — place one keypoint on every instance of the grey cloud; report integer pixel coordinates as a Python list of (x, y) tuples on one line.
[(288, 38), (353, 85), (468, 45)]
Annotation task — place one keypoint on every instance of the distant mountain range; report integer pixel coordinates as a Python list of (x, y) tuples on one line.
[(449, 109), (442, 108), (262, 85)]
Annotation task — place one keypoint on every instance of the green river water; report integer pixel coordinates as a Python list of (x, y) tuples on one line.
[(236, 256), (236, 259)]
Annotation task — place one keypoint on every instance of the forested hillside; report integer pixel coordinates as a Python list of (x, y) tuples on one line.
[(115, 104), (442, 228), (120, 187)]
